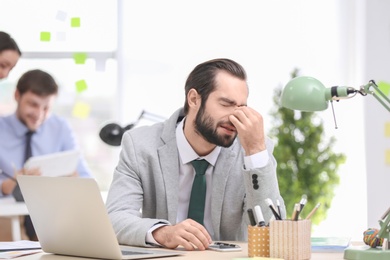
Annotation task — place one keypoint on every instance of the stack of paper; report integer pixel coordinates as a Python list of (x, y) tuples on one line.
[(10, 250), (329, 244)]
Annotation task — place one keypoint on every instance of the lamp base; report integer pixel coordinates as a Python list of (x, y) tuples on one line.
[(365, 253)]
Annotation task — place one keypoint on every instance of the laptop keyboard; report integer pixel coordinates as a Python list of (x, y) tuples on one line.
[(127, 252)]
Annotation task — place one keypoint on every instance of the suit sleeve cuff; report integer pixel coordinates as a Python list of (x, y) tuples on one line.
[(149, 236)]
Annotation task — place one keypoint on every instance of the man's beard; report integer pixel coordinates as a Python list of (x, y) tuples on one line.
[(204, 126)]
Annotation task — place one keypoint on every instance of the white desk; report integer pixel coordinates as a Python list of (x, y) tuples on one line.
[(192, 255), (11, 209)]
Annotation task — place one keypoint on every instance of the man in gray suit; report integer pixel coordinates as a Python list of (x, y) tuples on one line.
[(148, 201)]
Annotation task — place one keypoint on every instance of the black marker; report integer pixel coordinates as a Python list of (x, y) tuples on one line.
[(251, 217)]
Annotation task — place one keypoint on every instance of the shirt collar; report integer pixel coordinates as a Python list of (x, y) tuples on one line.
[(19, 128), (186, 153)]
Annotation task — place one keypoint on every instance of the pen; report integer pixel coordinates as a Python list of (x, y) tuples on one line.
[(251, 217), (259, 216), (302, 202), (278, 206), (313, 211), (272, 207)]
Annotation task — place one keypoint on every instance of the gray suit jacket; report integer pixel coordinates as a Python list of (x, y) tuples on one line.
[(144, 190)]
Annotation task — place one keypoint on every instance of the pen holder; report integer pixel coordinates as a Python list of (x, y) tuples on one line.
[(290, 239), (258, 241)]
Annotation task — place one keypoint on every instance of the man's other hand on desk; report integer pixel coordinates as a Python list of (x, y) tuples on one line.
[(9, 184), (188, 233)]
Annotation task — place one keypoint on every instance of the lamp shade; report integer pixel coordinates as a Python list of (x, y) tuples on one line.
[(305, 94)]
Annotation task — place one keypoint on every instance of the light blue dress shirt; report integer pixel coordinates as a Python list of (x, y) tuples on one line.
[(54, 135)]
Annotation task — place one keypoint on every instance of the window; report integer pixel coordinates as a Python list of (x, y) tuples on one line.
[(74, 41)]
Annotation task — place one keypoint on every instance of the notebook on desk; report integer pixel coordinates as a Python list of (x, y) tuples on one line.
[(70, 218)]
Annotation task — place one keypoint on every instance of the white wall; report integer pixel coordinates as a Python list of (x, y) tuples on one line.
[(376, 66), (164, 40)]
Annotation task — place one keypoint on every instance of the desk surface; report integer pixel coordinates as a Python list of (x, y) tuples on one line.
[(192, 255), (9, 207), (12, 209)]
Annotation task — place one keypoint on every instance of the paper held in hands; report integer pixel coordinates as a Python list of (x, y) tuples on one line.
[(55, 164)]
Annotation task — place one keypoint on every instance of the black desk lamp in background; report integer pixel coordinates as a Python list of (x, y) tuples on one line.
[(112, 133)]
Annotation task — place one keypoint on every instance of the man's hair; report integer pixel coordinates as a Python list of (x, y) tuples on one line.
[(38, 82), (202, 77), (8, 43)]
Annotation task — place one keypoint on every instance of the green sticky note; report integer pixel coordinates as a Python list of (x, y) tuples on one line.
[(384, 87), (79, 58), (81, 86), (45, 36), (75, 22)]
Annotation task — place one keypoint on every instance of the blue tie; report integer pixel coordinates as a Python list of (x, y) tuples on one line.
[(28, 225), (198, 192), (17, 193)]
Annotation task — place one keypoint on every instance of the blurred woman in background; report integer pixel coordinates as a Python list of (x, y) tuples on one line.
[(9, 54)]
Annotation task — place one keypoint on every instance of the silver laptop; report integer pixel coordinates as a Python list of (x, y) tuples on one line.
[(70, 218)]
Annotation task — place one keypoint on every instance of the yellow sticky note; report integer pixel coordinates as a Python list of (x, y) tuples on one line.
[(45, 36), (81, 110), (81, 86), (79, 58), (384, 87), (387, 129), (387, 157), (75, 22)]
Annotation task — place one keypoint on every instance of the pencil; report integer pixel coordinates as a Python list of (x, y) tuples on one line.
[(313, 211), (295, 214)]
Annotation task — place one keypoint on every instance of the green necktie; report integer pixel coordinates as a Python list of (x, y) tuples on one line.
[(198, 192)]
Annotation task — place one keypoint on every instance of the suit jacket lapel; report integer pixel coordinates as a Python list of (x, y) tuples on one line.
[(170, 172), (220, 176), (169, 167)]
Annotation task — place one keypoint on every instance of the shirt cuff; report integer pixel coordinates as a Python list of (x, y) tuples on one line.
[(149, 237), (257, 160)]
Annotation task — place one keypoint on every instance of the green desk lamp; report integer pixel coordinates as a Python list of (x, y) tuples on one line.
[(308, 94)]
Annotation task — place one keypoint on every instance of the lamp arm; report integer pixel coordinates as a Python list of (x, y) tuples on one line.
[(382, 98), (384, 222), (150, 116)]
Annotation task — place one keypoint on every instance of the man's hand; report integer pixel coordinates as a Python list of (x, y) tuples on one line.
[(250, 129), (74, 174), (9, 184), (188, 233), (33, 171)]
